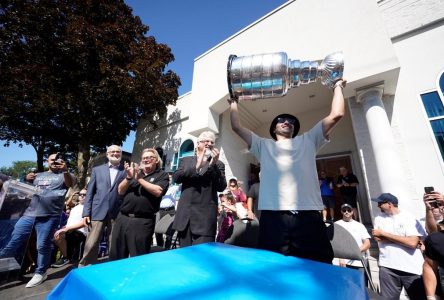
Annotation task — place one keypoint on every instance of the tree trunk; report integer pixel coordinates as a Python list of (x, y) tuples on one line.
[(40, 150), (82, 164)]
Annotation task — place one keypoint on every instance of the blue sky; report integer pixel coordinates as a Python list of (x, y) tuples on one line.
[(189, 28)]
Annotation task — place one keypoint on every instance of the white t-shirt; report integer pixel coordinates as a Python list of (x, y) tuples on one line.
[(289, 180), (75, 216), (359, 233), (396, 256)]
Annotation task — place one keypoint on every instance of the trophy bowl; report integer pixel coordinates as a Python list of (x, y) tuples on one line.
[(270, 75)]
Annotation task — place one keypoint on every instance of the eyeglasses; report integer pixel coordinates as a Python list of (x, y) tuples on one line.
[(344, 210), (114, 151), (207, 141), (289, 120), (148, 158), (232, 185)]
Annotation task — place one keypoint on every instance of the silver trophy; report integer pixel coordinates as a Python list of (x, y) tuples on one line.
[(271, 75)]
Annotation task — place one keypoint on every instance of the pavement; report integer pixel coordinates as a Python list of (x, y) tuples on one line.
[(16, 289)]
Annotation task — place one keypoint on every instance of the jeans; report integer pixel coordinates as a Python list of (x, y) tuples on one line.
[(44, 227)]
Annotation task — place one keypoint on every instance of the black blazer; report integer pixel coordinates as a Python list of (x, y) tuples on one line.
[(198, 201)]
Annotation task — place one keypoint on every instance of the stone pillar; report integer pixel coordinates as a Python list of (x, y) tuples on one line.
[(388, 163)]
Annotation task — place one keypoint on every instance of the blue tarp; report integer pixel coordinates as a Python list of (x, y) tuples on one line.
[(212, 271)]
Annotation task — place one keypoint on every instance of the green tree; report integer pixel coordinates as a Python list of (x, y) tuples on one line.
[(19, 168), (78, 75)]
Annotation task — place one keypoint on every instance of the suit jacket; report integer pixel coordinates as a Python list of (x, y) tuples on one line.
[(102, 199), (198, 201)]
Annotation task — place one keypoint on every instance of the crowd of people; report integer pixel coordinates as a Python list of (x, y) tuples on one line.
[(294, 204)]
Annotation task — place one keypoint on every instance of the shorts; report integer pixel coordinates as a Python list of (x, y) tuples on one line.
[(329, 201)]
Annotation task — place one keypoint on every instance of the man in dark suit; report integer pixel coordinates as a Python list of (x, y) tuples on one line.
[(102, 202), (201, 176)]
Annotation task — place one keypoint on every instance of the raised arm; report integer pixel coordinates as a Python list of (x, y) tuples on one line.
[(244, 133), (337, 108)]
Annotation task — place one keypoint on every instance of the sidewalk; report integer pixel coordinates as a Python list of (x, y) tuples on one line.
[(16, 289)]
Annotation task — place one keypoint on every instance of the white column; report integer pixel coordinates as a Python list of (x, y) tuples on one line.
[(388, 163)]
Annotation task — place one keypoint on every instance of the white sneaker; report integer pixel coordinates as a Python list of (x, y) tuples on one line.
[(36, 280)]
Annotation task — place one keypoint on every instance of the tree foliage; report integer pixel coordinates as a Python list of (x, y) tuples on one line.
[(19, 168), (78, 75)]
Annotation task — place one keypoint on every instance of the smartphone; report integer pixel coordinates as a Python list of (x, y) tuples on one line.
[(429, 189)]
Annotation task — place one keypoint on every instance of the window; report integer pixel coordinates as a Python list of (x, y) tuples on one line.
[(186, 149), (434, 108)]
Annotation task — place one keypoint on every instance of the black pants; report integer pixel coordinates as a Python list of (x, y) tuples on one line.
[(74, 242), (131, 236), (159, 237), (302, 234), (187, 238)]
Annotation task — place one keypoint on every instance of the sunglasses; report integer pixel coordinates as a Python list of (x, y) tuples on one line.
[(289, 120), (82, 194), (346, 210)]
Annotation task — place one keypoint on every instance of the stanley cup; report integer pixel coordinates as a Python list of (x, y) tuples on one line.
[(271, 75)]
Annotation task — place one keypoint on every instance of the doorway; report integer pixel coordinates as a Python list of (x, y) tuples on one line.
[(331, 166)]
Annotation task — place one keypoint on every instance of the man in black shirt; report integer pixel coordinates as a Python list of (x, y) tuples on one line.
[(142, 189), (347, 183)]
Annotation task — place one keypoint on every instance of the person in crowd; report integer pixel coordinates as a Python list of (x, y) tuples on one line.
[(227, 212), (434, 245), (201, 176), (400, 259), (328, 197), (359, 233), (240, 198), (290, 199), (102, 202), (142, 191), (347, 183), (71, 201), (43, 215), (70, 237), (237, 191), (167, 207), (253, 200)]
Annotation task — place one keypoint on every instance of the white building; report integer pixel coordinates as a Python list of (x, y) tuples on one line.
[(392, 136)]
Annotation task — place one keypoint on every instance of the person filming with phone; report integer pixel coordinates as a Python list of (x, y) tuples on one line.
[(43, 214), (434, 243)]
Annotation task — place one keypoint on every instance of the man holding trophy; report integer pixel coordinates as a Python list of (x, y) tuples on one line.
[(290, 200)]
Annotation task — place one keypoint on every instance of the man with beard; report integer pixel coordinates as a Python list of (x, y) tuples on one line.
[(43, 215), (102, 202), (142, 189), (290, 199), (201, 176)]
